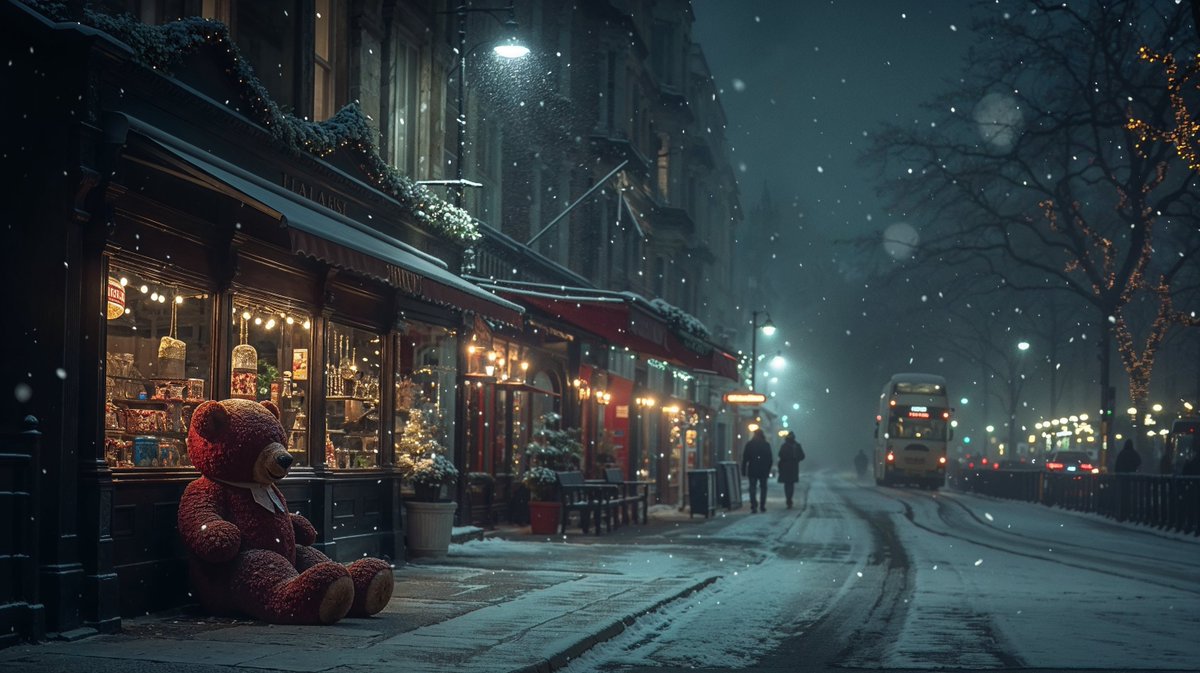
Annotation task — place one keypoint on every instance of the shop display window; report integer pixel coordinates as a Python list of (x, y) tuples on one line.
[(158, 360), (426, 364), (269, 361), (352, 378)]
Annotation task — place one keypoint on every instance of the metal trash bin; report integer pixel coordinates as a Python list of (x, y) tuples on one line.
[(702, 492)]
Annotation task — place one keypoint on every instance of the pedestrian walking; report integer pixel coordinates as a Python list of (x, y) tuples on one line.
[(860, 464), (756, 463), (1127, 462), (1128, 459), (790, 455)]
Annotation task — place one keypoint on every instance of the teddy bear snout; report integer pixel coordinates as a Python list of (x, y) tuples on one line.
[(273, 463)]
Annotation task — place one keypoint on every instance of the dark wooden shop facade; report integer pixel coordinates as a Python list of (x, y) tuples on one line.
[(145, 208)]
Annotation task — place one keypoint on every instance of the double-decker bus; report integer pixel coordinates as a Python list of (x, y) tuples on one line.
[(912, 431)]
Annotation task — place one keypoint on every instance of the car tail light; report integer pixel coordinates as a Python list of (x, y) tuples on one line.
[(995, 466), (1054, 466), (1086, 466), (891, 457), (942, 460)]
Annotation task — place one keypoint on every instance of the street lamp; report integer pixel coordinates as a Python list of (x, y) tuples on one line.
[(1016, 386), (768, 328), (509, 47)]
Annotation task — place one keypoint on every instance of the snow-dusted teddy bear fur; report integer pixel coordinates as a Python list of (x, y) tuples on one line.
[(248, 553)]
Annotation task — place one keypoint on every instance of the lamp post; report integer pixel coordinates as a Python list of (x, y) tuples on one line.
[(508, 47), (768, 328), (1017, 384)]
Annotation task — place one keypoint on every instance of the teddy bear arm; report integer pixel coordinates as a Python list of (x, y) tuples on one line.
[(305, 533), (205, 533)]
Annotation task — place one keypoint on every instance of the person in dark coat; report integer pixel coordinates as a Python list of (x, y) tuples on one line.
[(790, 455), (756, 463), (1128, 459), (860, 464)]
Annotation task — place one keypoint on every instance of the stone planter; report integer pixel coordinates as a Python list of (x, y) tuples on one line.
[(544, 517), (427, 528)]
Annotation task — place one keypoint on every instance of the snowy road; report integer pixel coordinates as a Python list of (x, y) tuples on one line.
[(861, 577)]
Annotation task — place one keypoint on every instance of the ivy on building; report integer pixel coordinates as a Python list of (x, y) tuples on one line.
[(164, 47)]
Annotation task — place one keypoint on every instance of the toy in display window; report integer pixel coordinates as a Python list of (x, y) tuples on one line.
[(148, 408)]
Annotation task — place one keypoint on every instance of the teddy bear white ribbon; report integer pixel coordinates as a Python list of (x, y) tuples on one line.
[(263, 494)]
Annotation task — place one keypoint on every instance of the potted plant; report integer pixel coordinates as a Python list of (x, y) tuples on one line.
[(421, 459), (544, 508), (554, 447)]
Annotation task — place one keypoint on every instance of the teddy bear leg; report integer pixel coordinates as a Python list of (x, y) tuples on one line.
[(267, 586), (307, 557), (373, 583)]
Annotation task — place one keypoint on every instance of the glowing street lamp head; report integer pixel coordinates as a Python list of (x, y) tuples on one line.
[(511, 46), (1022, 345), (768, 327)]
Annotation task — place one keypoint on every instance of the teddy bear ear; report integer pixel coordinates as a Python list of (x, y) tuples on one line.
[(272, 408), (210, 420)]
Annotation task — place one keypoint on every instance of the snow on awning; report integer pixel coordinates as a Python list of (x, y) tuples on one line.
[(623, 319)]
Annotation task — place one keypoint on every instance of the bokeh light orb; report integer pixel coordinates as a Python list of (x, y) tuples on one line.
[(999, 120), (900, 241)]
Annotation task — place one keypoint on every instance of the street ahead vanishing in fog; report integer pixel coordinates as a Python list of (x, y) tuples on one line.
[(863, 577)]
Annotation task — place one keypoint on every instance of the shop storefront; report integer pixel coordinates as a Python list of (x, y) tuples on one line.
[(514, 379), (633, 382), (206, 261)]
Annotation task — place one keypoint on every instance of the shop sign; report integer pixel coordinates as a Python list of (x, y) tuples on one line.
[(331, 201), (745, 398)]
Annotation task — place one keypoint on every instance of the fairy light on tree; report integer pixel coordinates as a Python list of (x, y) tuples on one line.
[(1186, 135)]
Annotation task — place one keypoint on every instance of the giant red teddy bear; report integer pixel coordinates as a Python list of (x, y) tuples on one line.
[(248, 553)]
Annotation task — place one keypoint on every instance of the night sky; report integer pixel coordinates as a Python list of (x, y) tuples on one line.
[(803, 84)]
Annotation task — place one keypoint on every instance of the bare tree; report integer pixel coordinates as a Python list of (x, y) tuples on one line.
[(1027, 170)]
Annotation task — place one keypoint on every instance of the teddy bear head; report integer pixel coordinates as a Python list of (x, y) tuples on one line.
[(238, 441)]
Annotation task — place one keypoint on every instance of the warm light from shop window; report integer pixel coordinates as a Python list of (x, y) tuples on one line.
[(270, 323), (290, 320), (124, 281), (245, 315), (524, 366), (752, 427), (491, 356), (307, 324), (257, 320), (490, 370), (178, 299), (153, 296), (144, 289)]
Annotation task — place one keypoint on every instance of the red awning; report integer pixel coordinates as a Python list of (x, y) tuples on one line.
[(614, 319), (624, 320), (716, 361)]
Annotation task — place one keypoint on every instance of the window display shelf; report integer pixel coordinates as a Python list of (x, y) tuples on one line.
[(164, 434), (351, 398)]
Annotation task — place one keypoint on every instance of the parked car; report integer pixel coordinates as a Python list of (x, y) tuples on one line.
[(1076, 462)]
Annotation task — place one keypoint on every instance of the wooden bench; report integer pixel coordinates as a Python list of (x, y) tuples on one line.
[(590, 500), (630, 494)]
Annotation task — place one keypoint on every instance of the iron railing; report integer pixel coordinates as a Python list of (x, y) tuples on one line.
[(1161, 501)]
